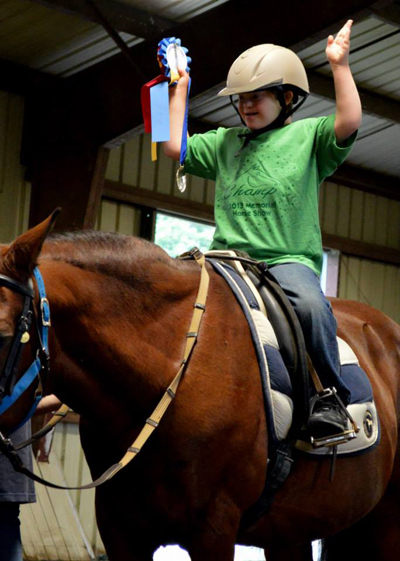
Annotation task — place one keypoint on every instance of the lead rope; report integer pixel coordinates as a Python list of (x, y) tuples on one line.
[(153, 421)]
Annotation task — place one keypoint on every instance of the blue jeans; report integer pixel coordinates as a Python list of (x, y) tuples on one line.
[(10, 536), (301, 286)]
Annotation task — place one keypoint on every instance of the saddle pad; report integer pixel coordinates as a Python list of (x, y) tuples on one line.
[(276, 383), (278, 405)]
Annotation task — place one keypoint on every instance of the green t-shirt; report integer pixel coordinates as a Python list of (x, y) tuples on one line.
[(266, 199)]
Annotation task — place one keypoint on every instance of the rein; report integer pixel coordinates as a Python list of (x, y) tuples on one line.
[(7, 448)]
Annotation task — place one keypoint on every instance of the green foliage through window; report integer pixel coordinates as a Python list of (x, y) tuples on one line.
[(177, 235)]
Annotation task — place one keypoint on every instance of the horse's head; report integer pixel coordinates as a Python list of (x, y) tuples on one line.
[(20, 335)]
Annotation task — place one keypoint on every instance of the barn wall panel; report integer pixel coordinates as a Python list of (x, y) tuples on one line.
[(131, 165), (376, 284), (14, 192), (367, 218), (359, 216)]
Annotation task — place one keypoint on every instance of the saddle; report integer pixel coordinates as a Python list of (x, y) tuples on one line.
[(283, 363)]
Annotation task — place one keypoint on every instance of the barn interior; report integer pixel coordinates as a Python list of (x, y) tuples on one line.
[(72, 136)]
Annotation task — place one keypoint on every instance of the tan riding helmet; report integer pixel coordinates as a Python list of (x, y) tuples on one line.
[(265, 66)]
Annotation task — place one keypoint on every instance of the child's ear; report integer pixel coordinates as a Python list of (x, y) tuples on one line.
[(288, 97)]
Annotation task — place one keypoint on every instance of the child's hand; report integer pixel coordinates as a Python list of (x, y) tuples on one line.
[(184, 78), (337, 49), (179, 89)]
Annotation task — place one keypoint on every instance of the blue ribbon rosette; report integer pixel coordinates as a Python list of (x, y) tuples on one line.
[(171, 56), (155, 100)]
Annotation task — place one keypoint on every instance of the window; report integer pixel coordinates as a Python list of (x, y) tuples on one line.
[(177, 235), (330, 272)]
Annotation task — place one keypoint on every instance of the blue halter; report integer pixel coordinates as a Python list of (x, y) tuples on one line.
[(40, 364)]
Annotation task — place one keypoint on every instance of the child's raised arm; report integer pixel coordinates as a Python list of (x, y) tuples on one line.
[(348, 104), (177, 105)]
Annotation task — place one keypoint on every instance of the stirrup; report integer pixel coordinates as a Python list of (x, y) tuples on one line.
[(341, 437)]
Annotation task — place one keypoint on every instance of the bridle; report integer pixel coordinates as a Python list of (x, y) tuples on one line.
[(10, 388)]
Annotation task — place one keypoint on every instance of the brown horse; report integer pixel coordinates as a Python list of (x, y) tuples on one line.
[(120, 312)]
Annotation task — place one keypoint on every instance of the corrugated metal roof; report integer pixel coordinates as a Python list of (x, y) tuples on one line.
[(177, 10), (62, 44), (29, 31), (374, 57), (80, 52), (378, 151)]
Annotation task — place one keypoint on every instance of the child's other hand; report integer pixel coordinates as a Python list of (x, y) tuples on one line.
[(337, 49)]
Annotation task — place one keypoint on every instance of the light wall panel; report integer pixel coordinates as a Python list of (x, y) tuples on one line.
[(14, 191)]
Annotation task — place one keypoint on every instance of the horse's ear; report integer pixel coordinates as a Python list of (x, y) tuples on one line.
[(21, 257)]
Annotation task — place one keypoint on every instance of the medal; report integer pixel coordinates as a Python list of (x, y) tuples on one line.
[(181, 179)]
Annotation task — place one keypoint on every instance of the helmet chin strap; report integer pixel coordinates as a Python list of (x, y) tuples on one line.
[(276, 123)]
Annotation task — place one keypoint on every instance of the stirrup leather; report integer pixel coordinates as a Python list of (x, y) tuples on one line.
[(341, 437)]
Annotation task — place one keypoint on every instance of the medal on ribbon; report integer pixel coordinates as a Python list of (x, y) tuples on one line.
[(155, 99)]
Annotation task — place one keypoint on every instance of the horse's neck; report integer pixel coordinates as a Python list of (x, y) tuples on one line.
[(115, 346)]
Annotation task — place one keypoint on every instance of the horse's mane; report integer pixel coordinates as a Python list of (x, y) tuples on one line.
[(109, 253)]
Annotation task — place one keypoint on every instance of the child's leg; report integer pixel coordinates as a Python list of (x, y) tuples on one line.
[(314, 311)]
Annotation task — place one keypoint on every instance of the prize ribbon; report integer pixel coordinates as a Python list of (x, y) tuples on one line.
[(155, 100)]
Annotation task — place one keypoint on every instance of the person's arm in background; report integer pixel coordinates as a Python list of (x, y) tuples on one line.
[(348, 105), (48, 404)]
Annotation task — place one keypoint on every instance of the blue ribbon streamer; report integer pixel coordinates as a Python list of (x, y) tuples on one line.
[(159, 110), (185, 129)]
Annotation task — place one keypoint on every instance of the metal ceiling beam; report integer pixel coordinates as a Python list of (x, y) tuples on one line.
[(389, 12), (372, 103), (122, 16), (374, 8)]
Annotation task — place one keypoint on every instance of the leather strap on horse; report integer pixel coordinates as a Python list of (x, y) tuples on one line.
[(153, 421), (277, 473), (54, 420)]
